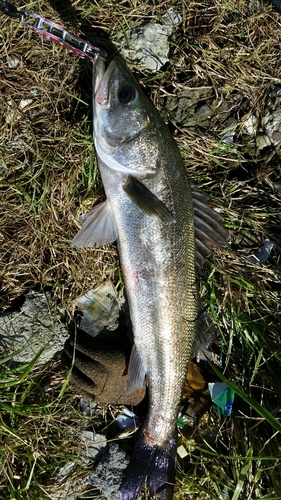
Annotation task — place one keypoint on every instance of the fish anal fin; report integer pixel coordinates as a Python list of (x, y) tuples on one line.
[(152, 465), (136, 372), (98, 229), (145, 200)]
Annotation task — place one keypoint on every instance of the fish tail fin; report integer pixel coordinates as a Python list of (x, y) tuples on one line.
[(153, 466)]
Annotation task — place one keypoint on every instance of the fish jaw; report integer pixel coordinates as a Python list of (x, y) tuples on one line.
[(102, 82)]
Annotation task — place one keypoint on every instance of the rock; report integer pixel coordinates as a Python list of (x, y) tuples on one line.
[(95, 444), (250, 125), (67, 485), (24, 103), (31, 328), (203, 114), (127, 420), (149, 44), (263, 141), (12, 62), (12, 114), (271, 121), (108, 474), (272, 125), (228, 138), (186, 106), (171, 19)]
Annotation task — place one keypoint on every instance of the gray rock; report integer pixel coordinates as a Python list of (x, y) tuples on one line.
[(95, 444), (187, 107), (263, 141), (171, 19), (33, 327), (149, 44), (12, 62), (67, 484), (271, 121), (250, 124), (108, 474)]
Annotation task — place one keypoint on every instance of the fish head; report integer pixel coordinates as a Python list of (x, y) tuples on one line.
[(125, 122)]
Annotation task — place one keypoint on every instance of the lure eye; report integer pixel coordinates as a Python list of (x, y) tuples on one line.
[(127, 94)]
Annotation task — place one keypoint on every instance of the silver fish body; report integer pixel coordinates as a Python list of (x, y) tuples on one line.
[(149, 209)]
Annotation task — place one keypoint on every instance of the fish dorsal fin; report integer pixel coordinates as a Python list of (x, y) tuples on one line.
[(136, 371), (207, 332), (209, 232), (145, 200), (98, 229)]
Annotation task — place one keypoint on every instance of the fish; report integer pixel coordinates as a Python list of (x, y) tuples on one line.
[(151, 210)]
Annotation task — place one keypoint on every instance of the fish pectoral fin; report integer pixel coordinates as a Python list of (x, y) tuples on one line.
[(145, 200), (98, 229), (136, 371)]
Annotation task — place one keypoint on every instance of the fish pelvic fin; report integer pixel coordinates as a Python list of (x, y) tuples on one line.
[(152, 466), (98, 228)]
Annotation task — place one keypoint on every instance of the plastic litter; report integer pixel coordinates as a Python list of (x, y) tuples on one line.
[(262, 254), (222, 396), (100, 308), (127, 419)]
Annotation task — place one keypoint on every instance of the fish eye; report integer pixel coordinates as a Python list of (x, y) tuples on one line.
[(127, 94)]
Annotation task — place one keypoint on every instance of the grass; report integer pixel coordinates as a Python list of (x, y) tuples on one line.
[(49, 175), (39, 426)]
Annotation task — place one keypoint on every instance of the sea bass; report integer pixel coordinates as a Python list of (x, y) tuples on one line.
[(150, 211)]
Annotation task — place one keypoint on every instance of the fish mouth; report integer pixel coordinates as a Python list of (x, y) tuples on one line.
[(102, 81)]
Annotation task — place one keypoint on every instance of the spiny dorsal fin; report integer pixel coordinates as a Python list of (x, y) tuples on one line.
[(209, 232), (207, 332)]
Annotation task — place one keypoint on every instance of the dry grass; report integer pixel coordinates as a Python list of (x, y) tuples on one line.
[(48, 175)]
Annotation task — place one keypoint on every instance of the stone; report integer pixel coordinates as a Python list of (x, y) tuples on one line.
[(95, 444), (34, 326), (149, 44), (107, 476)]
